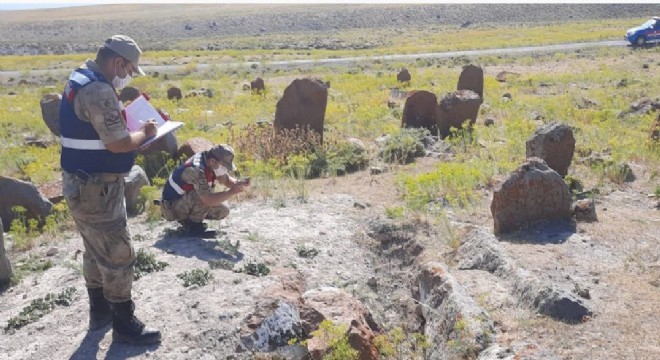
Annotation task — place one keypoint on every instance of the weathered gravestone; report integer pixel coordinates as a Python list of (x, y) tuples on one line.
[(456, 108), (472, 78), (302, 107), (50, 112), (14, 192), (421, 111), (5, 265), (257, 85), (555, 144), (532, 194)]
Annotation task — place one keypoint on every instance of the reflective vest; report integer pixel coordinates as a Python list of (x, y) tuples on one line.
[(82, 148), (175, 187)]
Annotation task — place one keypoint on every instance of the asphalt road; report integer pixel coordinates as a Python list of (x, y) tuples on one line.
[(287, 64)]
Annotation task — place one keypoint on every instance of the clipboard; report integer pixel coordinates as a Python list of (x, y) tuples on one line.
[(163, 130)]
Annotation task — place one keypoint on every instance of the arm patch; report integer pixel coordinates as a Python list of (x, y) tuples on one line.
[(111, 114)]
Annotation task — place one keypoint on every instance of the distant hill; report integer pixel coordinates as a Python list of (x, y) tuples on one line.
[(159, 26)]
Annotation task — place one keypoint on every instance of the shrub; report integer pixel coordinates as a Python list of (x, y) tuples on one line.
[(40, 307), (405, 146), (197, 277), (254, 269), (337, 339), (146, 263)]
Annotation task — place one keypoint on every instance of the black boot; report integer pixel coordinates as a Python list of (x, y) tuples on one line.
[(128, 329), (100, 313), (199, 229)]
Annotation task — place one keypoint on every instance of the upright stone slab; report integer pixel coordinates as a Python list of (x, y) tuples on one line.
[(135, 180), (421, 111), (403, 76), (174, 93), (192, 147), (302, 106), (5, 265), (257, 85), (533, 193), (456, 108), (14, 192), (555, 144), (472, 78), (50, 112)]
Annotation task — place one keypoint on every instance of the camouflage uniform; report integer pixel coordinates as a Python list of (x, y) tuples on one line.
[(97, 204), (190, 206)]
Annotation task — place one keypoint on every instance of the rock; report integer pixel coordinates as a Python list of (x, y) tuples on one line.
[(622, 83), (15, 192), (553, 143), (135, 180), (536, 116), (343, 310), (158, 153), (489, 122), (276, 319), (257, 85), (357, 145), (516, 351), (645, 66), (472, 78), (456, 108), (587, 104), (302, 107), (504, 75), (192, 147), (52, 191), (359, 205), (174, 93), (50, 112), (585, 210), (507, 96), (52, 251), (374, 170), (444, 302), (421, 111), (533, 193), (403, 76), (481, 251), (129, 94), (276, 329), (644, 106), (5, 265)]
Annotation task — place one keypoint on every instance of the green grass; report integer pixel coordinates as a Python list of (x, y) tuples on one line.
[(357, 107)]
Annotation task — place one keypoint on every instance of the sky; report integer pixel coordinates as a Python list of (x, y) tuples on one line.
[(44, 4)]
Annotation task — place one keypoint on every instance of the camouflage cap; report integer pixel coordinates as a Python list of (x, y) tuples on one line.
[(225, 155), (127, 48)]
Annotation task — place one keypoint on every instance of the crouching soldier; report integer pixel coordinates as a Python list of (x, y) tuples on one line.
[(187, 196)]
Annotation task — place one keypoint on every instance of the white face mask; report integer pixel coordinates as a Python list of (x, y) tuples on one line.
[(220, 171), (120, 83)]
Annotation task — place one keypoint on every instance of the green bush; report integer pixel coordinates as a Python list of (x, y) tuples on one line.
[(254, 269), (146, 263), (197, 277), (40, 307), (405, 146)]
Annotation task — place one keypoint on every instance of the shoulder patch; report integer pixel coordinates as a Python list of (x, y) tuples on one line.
[(111, 114)]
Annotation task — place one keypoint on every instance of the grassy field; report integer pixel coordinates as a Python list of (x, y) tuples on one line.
[(554, 85), (351, 43)]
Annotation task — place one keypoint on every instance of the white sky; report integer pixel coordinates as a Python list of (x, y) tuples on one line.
[(15, 5)]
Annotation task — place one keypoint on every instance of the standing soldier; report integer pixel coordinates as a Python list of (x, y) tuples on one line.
[(97, 152), (187, 195)]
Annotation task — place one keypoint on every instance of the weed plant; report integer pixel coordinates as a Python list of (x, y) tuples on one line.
[(38, 308), (146, 263), (196, 277), (254, 268)]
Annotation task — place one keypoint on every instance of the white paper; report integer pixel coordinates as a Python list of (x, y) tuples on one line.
[(163, 130), (140, 111)]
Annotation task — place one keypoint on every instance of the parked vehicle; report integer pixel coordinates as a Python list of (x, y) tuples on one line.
[(649, 32)]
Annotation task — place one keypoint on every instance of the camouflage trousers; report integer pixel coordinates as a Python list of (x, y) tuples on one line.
[(99, 210), (190, 207)]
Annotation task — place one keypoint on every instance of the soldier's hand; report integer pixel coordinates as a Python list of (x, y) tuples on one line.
[(237, 188), (150, 128)]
